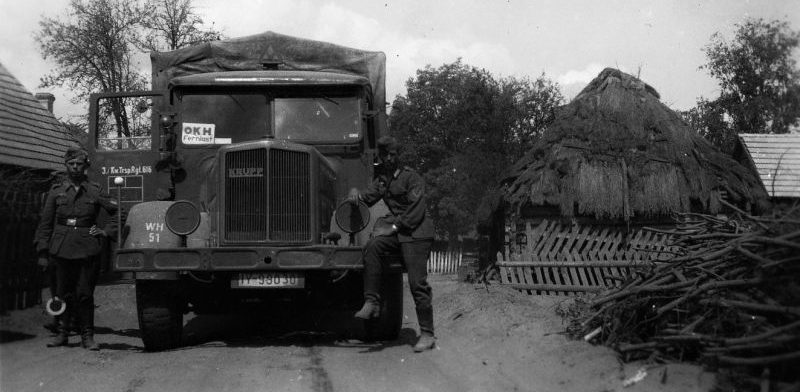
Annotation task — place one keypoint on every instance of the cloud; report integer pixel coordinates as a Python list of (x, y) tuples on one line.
[(583, 76)]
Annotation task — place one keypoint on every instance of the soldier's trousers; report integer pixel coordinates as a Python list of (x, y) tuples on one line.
[(76, 280), (377, 254)]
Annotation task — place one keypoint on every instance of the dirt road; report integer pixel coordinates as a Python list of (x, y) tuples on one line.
[(490, 339)]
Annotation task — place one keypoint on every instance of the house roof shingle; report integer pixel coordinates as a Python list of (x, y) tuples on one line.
[(30, 136), (777, 160)]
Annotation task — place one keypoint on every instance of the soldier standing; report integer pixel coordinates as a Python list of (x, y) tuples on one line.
[(68, 234), (407, 231)]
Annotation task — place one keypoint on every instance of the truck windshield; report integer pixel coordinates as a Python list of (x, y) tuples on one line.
[(321, 119), (212, 118)]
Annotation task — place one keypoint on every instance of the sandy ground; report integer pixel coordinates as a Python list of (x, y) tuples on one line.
[(522, 338), (490, 338)]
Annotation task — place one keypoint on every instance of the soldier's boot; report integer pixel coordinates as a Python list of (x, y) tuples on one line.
[(87, 340), (371, 309), (426, 342), (60, 339)]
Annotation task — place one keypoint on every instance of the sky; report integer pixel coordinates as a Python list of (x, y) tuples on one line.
[(569, 42)]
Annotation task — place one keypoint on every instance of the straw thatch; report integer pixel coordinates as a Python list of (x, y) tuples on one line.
[(617, 152)]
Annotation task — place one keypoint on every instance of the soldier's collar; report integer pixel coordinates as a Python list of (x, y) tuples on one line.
[(84, 184)]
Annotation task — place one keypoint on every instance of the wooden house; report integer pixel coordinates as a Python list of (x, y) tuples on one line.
[(32, 147), (614, 161), (776, 159)]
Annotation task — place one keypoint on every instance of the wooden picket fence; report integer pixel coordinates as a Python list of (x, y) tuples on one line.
[(567, 259), (444, 259)]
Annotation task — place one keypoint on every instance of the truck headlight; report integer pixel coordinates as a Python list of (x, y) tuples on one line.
[(182, 217), (352, 218)]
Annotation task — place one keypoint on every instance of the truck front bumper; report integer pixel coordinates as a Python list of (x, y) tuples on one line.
[(240, 259)]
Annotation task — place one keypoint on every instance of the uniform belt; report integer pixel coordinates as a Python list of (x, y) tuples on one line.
[(74, 222)]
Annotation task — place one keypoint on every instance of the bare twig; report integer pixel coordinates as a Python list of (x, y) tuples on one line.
[(759, 360), (793, 310)]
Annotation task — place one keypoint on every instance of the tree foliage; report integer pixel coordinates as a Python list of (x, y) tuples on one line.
[(759, 83), (174, 24), (91, 47), (462, 128), (96, 45)]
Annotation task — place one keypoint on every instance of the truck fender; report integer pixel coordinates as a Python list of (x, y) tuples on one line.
[(146, 227), (361, 238), (377, 211)]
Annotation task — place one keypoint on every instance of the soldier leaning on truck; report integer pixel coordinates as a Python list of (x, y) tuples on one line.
[(68, 237), (407, 231)]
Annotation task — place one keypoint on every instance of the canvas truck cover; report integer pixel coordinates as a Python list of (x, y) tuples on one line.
[(248, 53)]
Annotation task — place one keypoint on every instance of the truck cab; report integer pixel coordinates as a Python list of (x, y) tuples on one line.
[(234, 183)]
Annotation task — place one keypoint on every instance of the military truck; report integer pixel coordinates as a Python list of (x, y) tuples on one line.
[(234, 170)]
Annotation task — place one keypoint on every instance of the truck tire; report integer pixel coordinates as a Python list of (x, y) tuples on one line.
[(160, 314), (387, 326)]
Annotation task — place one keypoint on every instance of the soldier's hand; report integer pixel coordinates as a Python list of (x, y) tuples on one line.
[(352, 197), (384, 231), (43, 261), (97, 232)]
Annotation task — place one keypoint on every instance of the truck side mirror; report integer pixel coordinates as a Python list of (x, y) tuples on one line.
[(143, 106)]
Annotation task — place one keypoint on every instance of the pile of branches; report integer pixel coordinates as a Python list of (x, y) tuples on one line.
[(729, 297)]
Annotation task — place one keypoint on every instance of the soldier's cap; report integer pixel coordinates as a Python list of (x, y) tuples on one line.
[(75, 152), (388, 143)]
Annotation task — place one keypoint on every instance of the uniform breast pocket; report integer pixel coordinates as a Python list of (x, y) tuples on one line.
[(86, 208), (397, 192), (61, 203)]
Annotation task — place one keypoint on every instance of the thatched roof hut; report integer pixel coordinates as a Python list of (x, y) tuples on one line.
[(617, 152)]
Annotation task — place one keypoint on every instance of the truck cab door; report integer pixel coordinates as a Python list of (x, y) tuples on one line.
[(129, 137)]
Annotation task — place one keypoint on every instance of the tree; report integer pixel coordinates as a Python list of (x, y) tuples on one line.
[(94, 48), (462, 128), (91, 47), (759, 82), (78, 130), (174, 24)]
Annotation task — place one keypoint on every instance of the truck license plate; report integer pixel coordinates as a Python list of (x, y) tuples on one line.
[(268, 280)]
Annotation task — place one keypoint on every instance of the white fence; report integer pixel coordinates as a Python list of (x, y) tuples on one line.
[(444, 260)]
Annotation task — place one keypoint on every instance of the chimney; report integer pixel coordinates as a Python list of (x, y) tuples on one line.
[(46, 99)]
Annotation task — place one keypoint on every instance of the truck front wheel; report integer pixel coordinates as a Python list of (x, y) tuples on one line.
[(387, 326), (160, 314)]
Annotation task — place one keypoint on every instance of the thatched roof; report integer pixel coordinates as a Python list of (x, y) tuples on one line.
[(616, 152)]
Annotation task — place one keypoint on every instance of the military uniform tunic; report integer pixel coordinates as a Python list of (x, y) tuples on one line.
[(66, 219), (404, 194)]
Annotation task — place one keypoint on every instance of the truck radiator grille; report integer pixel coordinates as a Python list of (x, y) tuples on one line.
[(289, 188), (267, 196), (245, 205)]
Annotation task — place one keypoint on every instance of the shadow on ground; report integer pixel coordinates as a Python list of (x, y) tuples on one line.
[(12, 336)]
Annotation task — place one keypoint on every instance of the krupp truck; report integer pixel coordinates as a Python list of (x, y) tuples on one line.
[(234, 170)]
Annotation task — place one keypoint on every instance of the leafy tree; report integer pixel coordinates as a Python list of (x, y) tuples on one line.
[(94, 48), (759, 83), (462, 128), (91, 47), (78, 130), (709, 120), (174, 24)]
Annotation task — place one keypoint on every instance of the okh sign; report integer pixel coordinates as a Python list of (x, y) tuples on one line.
[(193, 133)]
